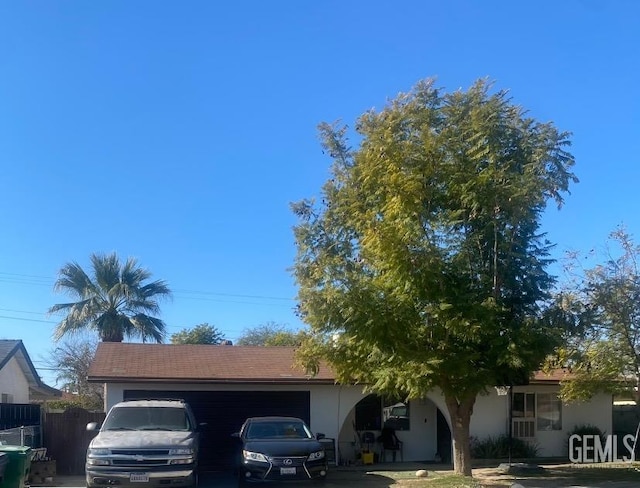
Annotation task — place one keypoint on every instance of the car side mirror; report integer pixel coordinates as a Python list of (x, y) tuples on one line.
[(320, 436), (91, 426), (236, 435), (201, 426)]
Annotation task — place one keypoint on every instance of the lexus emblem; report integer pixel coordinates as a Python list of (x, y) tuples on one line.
[(288, 462)]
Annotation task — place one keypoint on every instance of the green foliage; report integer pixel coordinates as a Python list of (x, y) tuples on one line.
[(602, 352), (88, 403), (200, 334), (270, 334), (422, 264), (498, 448), (584, 429), (115, 301)]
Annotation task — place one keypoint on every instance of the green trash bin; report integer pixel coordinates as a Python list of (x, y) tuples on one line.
[(3, 462), (16, 470)]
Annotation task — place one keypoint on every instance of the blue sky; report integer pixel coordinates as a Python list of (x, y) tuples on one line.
[(179, 132)]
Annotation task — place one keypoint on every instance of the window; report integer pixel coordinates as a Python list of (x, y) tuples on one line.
[(549, 412), (374, 412), (524, 405), (523, 413), (6, 398), (395, 414)]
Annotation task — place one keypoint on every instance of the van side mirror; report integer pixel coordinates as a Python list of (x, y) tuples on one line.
[(91, 426)]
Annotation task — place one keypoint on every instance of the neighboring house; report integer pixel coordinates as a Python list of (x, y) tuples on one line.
[(226, 384), (19, 381)]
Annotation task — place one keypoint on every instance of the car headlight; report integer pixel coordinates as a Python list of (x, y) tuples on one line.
[(181, 451), (98, 462), (98, 452), (314, 456), (181, 461), (254, 456)]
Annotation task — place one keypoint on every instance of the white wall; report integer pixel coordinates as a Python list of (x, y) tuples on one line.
[(420, 442), (14, 382), (330, 405), (597, 411), (490, 415), (332, 413)]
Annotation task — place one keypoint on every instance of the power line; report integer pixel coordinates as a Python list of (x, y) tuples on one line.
[(260, 297), (50, 282), (20, 311), (27, 320)]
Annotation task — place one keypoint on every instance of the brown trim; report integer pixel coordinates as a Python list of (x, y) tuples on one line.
[(200, 381)]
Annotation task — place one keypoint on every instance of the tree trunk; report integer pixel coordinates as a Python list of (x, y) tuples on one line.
[(460, 410)]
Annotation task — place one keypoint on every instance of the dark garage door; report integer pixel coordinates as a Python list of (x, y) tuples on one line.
[(224, 412)]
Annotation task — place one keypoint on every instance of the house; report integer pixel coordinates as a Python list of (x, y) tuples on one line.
[(19, 381), (226, 384)]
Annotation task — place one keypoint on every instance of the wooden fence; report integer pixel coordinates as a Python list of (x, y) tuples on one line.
[(66, 438)]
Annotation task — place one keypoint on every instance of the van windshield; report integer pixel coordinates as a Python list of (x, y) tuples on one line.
[(147, 418)]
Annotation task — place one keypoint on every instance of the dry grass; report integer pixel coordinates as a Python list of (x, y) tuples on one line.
[(551, 476)]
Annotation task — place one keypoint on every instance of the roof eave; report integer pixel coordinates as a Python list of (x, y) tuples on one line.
[(288, 381)]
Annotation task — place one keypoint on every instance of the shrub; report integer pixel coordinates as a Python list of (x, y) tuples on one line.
[(586, 429), (81, 401), (583, 429), (498, 448)]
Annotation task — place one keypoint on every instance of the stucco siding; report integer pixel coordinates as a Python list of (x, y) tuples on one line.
[(597, 411), (419, 443), (14, 382), (490, 414), (332, 410)]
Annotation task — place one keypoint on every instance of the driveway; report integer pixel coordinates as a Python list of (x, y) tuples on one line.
[(375, 477), (337, 479)]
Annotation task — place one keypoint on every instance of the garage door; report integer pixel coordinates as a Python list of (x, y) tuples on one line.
[(224, 412)]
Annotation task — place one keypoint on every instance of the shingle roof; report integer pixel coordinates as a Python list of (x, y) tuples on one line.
[(15, 349), (552, 377), (181, 363), (117, 361)]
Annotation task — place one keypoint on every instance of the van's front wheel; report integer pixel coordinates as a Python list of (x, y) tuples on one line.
[(196, 480)]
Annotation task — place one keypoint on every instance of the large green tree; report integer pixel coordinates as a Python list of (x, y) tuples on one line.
[(602, 302), (423, 267), (200, 334), (117, 300)]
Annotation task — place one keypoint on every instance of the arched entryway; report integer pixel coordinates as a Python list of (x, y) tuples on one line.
[(420, 425)]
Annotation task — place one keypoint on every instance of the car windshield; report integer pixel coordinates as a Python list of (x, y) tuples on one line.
[(147, 418), (278, 429)]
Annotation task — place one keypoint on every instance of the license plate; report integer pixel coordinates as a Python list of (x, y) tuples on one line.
[(287, 470), (139, 477)]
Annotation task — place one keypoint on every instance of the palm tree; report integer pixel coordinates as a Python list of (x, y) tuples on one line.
[(115, 301)]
